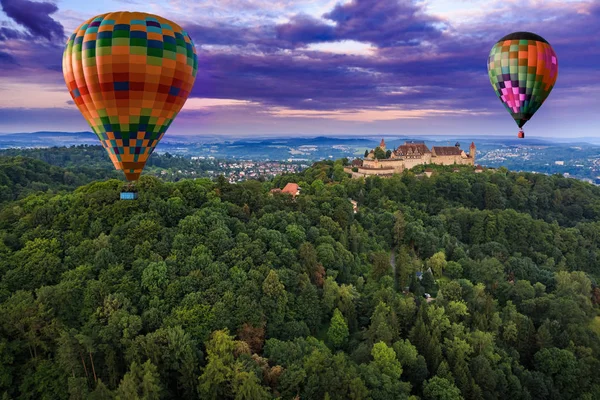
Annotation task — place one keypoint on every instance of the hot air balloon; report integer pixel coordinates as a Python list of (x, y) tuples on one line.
[(129, 73), (522, 68)]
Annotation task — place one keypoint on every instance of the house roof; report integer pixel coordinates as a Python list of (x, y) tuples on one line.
[(291, 188), (446, 151), (357, 163)]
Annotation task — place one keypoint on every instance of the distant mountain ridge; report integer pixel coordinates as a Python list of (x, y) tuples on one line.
[(58, 138)]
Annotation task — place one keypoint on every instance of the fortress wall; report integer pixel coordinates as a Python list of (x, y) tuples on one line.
[(383, 163), (375, 171), (411, 162), (451, 160), (447, 160)]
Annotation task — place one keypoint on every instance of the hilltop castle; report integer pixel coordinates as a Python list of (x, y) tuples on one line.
[(381, 161)]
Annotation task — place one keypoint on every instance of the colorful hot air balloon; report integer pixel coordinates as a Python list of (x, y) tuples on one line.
[(522, 68), (129, 73)]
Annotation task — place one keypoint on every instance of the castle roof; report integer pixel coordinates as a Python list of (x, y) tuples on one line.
[(382, 143), (357, 163), (446, 151), (413, 148)]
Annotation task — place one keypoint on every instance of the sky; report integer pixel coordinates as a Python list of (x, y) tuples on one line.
[(322, 67)]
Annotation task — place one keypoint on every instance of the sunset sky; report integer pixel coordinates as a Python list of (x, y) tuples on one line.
[(318, 67)]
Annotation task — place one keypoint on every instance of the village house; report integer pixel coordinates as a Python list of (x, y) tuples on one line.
[(290, 188)]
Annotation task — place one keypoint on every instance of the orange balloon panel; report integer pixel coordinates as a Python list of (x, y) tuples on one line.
[(129, 74)]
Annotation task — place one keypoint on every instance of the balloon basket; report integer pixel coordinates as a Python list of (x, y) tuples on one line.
[(128, 195), (128, 192), (521, 134)]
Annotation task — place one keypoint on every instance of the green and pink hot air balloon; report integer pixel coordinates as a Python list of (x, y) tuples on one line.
[(522, 68)]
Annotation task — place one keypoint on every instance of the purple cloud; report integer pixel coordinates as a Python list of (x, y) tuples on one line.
[(416, 61), (35, 17), (383, 22), (6, 58), (38, 61), (10, 34), (304, 29)]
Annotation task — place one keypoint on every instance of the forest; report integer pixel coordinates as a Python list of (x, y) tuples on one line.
[(458, 286), (26, 171)]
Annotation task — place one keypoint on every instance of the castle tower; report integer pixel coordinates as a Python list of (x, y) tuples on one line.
[(382, 145), (472, 150)]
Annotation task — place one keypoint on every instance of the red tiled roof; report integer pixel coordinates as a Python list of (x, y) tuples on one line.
[(413, 148), (291, 188), (447, 151)]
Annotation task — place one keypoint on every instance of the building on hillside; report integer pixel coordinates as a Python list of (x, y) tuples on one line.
[(291, 188), (409, 155)]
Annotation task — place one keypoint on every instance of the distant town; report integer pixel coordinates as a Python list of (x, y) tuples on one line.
[(234, 171)]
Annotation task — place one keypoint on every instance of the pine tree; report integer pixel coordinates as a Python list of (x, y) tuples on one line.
[(142, 381), (384, 325), (338, 329)]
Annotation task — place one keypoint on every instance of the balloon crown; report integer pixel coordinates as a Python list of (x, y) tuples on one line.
[(523, 36)]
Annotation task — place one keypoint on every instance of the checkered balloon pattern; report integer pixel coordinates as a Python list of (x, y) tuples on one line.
[(522, 68), (129, 74)]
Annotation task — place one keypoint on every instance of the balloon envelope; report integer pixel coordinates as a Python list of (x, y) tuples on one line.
[(522, 68), (129, 74)]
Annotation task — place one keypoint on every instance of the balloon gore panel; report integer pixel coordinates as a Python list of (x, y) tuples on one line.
[(129, 74)]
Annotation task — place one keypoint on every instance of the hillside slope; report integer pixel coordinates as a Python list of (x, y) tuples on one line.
[(20, 176), (203, 289)]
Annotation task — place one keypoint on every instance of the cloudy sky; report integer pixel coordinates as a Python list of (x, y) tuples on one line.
[(312, 67)]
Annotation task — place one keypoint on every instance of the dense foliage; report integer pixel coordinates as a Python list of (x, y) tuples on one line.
[(21, 176), (93, 163), (202, 289)]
